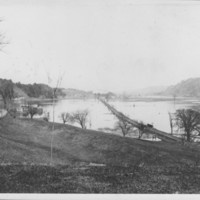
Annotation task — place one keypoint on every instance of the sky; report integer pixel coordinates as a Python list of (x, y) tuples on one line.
[(100, 45)]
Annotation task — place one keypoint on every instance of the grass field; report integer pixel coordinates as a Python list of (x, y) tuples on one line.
[(127, 165)]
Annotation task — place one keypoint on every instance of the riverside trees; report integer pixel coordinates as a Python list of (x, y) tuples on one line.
[(34, 110), (123, 126), (189, 121), (80, 117), (66, 117)]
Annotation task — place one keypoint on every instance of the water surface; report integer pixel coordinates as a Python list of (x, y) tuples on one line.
[(153, 112)]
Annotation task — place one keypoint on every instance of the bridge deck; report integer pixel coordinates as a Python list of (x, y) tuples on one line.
[(160, 134)]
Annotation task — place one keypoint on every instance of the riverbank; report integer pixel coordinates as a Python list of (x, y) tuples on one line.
[(123, 165)]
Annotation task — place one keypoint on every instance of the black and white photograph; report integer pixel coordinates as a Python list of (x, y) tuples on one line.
[(99, 97)]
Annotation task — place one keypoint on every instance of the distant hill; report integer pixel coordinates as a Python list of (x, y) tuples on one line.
[(147, 91), (37, 90), (186, 88)]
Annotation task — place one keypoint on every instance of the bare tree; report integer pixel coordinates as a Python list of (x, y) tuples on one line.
[(7, 92), (80, 117), (54, 90), (6, 87), (66, 117), (171, 122), (141, 130), (189, 121), (3, 41), (124, 126)]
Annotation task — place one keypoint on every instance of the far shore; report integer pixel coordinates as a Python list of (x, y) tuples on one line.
[(134, 98)]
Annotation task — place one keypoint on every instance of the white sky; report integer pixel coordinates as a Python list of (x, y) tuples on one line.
[(100, 45)]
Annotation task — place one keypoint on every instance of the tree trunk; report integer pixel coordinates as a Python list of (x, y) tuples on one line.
[(140, 133), (188, 136), (171, 126), (123, 132), (83, 126), (5, 102)]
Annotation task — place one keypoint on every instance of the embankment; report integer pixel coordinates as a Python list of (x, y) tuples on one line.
[(29, 141)]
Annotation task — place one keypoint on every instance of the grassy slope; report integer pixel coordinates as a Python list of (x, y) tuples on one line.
[(132, 166), (25, 140)]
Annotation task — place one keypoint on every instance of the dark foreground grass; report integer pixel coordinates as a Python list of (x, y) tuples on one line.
[(108, 179)]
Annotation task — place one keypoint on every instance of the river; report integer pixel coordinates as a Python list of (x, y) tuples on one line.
[(149, 110)]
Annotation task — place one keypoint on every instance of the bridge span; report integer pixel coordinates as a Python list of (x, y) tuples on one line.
[(142, 127)]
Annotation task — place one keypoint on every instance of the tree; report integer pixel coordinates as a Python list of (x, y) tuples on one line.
[(7, 92), (171, 118), (66, 117), (124, 126), (141, 129), (189, 121), (54, 90), (80, 117), (32, 110), (3, 42)]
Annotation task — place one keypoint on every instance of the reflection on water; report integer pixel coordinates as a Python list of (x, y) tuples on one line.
[(152, 112)]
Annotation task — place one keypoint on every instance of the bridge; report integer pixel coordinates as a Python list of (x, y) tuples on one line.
[(142, 127)]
